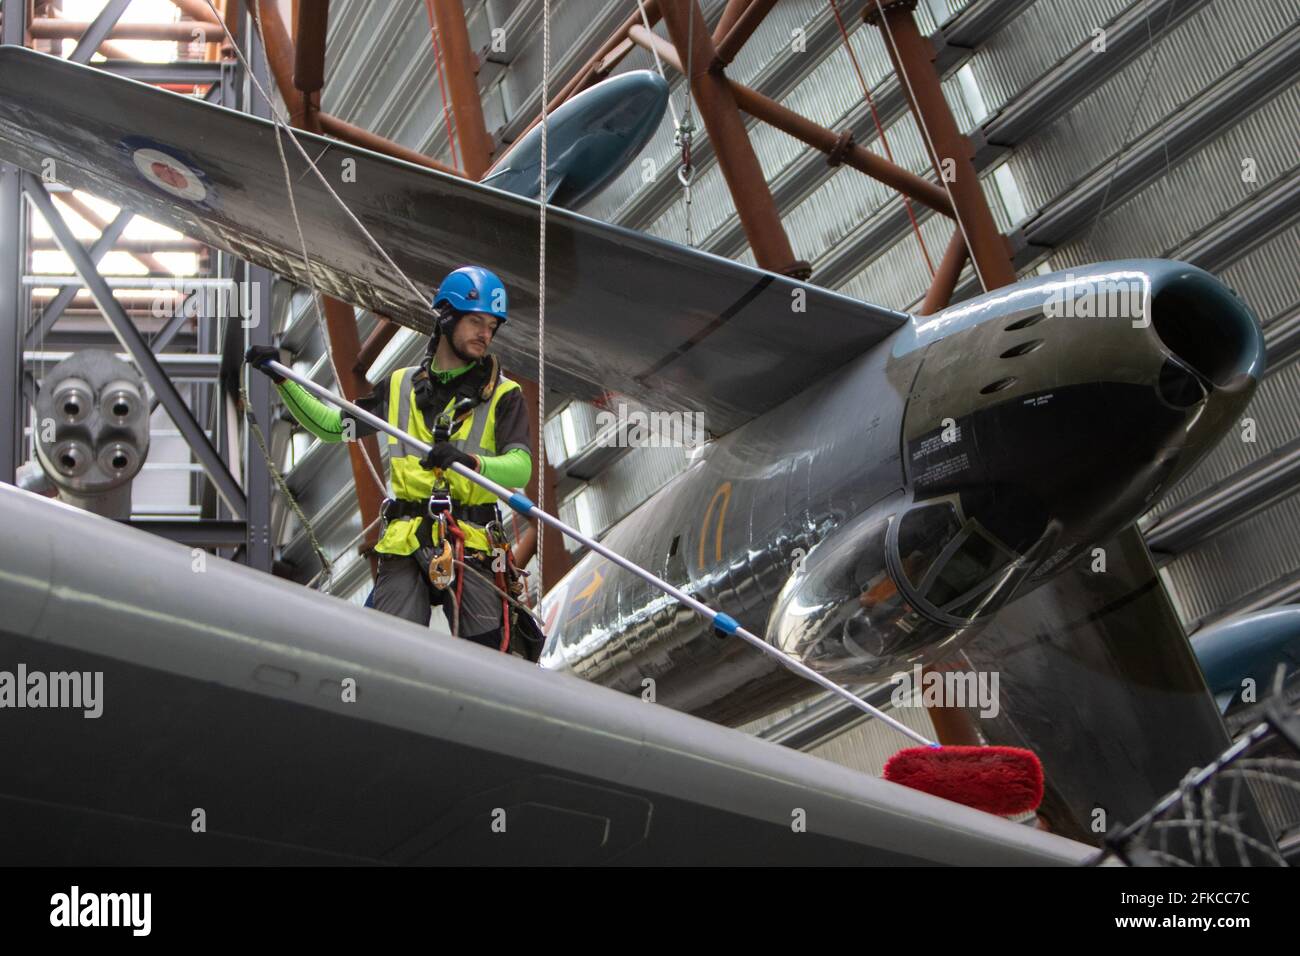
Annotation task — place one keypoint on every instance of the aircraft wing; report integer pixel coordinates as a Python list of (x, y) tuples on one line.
[(626, 312), (312, 732), (1098, 678)]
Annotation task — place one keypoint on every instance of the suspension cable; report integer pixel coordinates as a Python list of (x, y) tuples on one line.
[(442, 90), (686, 129), (282, 127), (326, 568), (880, 131), (682, 128), (654, 50), (929, 140), (311, 282), (279, 121), (1153, 47), (541, 288)]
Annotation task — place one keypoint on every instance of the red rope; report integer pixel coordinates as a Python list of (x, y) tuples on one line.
[(504, 585), (880, 130), (437, 62)]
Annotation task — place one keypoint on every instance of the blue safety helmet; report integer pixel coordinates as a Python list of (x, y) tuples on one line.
[(473, 289)]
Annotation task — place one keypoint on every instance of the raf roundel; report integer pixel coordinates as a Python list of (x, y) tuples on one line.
[(169, 174), (167, 168)]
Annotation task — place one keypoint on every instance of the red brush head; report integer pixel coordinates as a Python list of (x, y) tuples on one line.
[(1001, 780)]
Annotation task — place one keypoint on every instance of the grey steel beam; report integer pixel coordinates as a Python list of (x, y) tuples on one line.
[(198, 534), (99, 30), (260, 549), (177, 365), (232, 339), (169, 331), (1079, 74), (100, 248), (197, 72), (1282, 339), (163, 283), (1285, 590), (1239, 94), (29, 390), (152, 246), (201, 490), (13, 233), (1245, 493), (212, 402), (1247, 226), (956, 40), (135, 344), (76, 339)]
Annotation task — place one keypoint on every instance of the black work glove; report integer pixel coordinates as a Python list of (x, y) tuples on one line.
[(444, 454), (258, 355)]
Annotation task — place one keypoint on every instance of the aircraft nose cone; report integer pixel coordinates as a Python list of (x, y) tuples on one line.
[(634, 103), (638, 83)]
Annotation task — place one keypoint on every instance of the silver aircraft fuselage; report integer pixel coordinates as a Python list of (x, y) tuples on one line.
[(878, 519)]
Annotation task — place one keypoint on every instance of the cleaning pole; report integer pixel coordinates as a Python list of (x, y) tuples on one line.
[(994, 777)]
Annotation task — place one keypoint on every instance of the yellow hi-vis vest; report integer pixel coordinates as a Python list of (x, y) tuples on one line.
[(475, 435)]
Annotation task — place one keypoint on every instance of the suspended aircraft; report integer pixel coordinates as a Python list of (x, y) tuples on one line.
[(881, 490)]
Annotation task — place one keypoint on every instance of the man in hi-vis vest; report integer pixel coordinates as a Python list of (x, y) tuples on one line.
[(458, 401)]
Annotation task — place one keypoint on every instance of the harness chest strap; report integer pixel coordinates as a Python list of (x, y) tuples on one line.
[(400, 399), (411, 484)]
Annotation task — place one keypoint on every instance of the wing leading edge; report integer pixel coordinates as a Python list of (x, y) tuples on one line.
[(627, 313)]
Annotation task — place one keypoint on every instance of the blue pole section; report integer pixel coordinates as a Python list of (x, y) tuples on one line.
[(722, 622)]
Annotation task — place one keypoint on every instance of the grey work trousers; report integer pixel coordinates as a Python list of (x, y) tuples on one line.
[(402, 589)]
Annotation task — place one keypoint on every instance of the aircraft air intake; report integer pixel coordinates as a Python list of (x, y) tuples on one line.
[(1208, 328)]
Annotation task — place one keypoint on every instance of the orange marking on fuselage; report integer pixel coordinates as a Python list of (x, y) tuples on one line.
[(724, 491), (585, 595)]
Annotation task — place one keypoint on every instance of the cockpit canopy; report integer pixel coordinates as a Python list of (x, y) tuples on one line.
[(893, 587)]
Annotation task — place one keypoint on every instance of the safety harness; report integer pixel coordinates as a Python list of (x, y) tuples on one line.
[(448, 540)]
